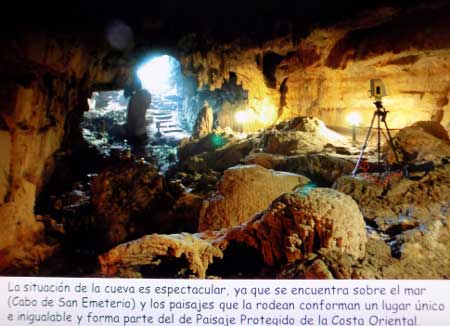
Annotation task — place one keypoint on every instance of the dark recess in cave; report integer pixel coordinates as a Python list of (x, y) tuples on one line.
[(167, 267), (239, 260), (283, 92), (270, 62)]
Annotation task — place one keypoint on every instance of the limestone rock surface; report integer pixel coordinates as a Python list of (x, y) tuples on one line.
[(396, 196), (192, 146), (266, 160), (204, 123), (324, 167), (423, 252), (433, 128), (301, 136), (418, 143), (220, 159), (124, 195), (243, 191), (296, 226), (194, 253)]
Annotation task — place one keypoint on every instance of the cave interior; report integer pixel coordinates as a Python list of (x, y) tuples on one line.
[(267, 152)]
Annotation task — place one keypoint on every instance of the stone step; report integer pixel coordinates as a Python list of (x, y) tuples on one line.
[(170, 126), (159, 113), (173, 131), (164, 116)]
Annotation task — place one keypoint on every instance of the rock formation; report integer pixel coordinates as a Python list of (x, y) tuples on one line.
[(326, 74), (295, 226), (126, 197), (127, 259), (293, 229), (285, 71), (424, 141), (204, 123), (243, 191), (300, 136)]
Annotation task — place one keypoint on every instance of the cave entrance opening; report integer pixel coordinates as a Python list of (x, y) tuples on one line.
[(104, 125), (161, 76)]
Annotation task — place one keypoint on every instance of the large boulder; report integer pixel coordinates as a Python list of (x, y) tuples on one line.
[(421, 142), (204, 123), (297, 225), (189, 147), (266, 160), (300, 136), (325, 168), (433, 128), (221, 158), (126, 196), (322, 167), (243, 191)]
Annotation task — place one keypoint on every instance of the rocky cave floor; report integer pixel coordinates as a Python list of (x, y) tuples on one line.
[(279, 203)]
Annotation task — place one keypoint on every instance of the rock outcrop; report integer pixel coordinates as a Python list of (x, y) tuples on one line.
[(215, 157), (326, 168), (300, 136), (132, 258), (46, 80), (424, 141), (296, 226), (393, 196), (243, 191), (204, 123), (294, 230), (326, 74), (126, 197)]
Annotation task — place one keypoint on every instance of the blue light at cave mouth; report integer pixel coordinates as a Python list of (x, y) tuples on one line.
[(155, 74)]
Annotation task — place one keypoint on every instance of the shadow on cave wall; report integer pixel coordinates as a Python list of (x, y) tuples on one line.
[(239, 261)]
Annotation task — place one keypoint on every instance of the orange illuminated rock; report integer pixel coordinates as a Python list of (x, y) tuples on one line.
[(296, 226), (243, 191), (416, 143), (300, 136), (193, 253)]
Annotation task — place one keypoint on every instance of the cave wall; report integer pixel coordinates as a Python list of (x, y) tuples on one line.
[(327, 73), (44, 80)]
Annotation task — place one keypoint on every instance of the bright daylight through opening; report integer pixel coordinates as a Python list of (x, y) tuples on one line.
[(156, 75)]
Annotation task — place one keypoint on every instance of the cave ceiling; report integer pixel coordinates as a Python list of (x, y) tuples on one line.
[(163, 23)]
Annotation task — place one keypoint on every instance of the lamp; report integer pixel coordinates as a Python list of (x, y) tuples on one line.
[(354, 119)]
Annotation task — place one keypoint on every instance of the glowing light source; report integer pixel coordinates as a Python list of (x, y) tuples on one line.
[(242, 116), (354, 119), (155, 74)]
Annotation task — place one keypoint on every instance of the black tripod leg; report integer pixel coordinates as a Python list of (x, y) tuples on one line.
[(363, 148), (391, 142), (378, 142)]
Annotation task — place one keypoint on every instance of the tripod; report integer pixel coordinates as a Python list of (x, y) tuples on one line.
[(380, 114)]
